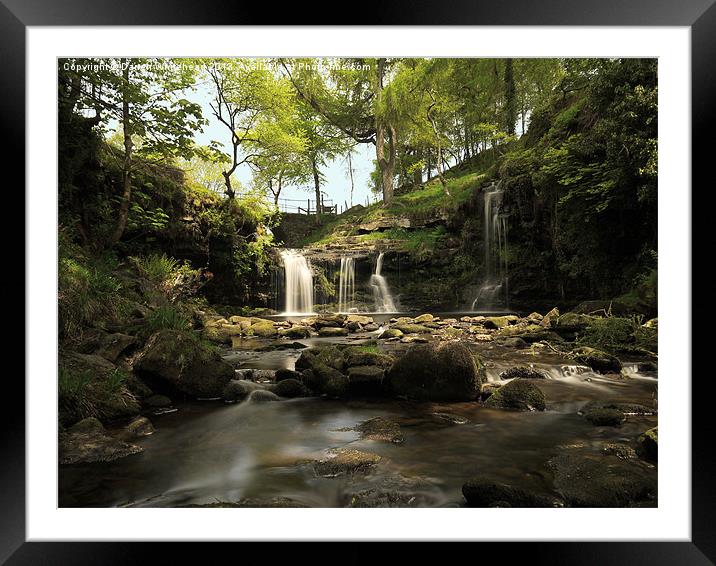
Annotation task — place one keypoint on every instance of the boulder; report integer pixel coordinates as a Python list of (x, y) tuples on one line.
[(573, 321), (521, 394), (550, 319), (88, 442), (365, 380), (605, 417), (407, 328), (499, 321), (427, 317), (291, 388), (483, 491), (328, 320), (108, 346), (346, 462), (330, 331), (244, 322), (295, 332), (598, 480), (357, 356), (390, 333), (438, 372), (360, 319), (180, 361), (597, 360), (262, 329), (262, 396), (239, 389), (283, 374), (649, 443), (138, 427), (626, 408)]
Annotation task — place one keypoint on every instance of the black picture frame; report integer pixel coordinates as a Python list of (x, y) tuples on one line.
[(699, 15)]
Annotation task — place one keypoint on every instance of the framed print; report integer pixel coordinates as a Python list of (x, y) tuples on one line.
[(365, 283)]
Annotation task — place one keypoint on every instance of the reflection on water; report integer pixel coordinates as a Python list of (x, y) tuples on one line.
[(211, 451)]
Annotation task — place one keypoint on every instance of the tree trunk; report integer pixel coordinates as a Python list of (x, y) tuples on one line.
[(383, 130), (350, 171), (126, 164), (317, 183), (510, 98)]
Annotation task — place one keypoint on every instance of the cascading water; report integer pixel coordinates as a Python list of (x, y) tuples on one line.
[(298, 288), (346, 285), (494, 289), (381, 291)]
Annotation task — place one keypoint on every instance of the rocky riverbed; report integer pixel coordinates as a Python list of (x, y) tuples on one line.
[(374, 411)]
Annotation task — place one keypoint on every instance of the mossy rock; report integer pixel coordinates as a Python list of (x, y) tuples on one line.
[(519, 330), (262, 396), (262, 329), (295, 332), (574, 320), (408, 328), (179, 361), (649, 442), (597, 360), (427, 317), (499, 321), (381, 429), (347, 462), (323, 355), (331, 331), (520, 394), (483, 491), (291, 388), (437, 372), (599, 480), (356, 356), (605, 417), (282, 374), (390, 333)]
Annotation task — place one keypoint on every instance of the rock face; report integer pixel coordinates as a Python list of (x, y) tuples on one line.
[(597, 360), (603, 480), (486, 492), (437, 372), (108, 346), (520, 394), (180, 361), (88, 442)]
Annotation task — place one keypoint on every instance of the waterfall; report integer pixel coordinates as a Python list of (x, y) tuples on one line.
[(494, 288), (346, 284), (298, 288), (381, 292)]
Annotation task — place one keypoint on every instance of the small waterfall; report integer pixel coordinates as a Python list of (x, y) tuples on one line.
[(381, 292), (346, 284), (298, 288), (494, 289)]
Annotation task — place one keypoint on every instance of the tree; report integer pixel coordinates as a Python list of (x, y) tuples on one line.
[(254, 104), (350, 94), (144, 98)]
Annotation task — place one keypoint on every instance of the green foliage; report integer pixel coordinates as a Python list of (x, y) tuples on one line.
[(167, 317), (619, 334), (158, 268), (89, 294)]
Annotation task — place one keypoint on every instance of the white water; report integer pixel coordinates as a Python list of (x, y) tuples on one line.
[(494, 289), (298, 287), (381, 291), (346, 285)]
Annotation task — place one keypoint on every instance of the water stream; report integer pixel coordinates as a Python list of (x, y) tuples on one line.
[(207, 452), (381, 292), (493, 290), (346, 285), (298, 286)]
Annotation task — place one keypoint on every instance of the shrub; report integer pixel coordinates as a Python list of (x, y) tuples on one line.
[(165, 318), (157, 268)]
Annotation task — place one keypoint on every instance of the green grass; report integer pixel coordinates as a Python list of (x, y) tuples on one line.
[(155, 267), (419, 204), (165, 318)]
